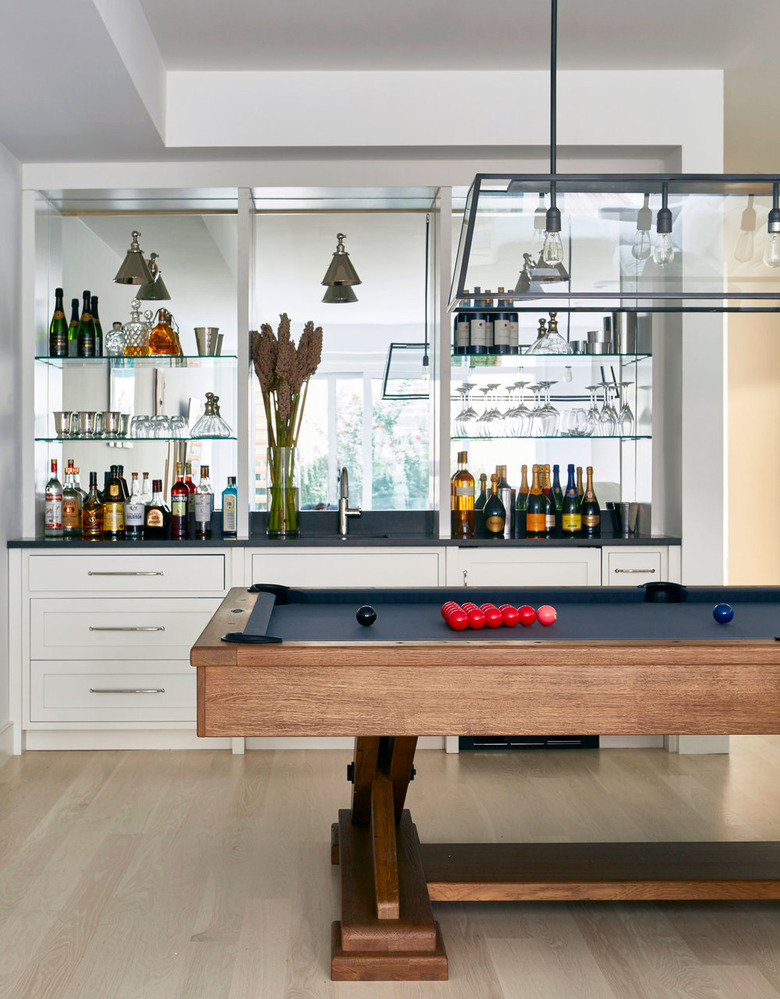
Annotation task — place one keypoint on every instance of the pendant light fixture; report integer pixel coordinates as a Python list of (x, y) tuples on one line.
[(340, 276), (746, 241), (772, 248), (552, 251), (641, 248), (134, 269), (155, 290), (663, 249)]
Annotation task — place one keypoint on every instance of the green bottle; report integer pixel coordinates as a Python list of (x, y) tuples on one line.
[(73, 329), (58, 331), (98, 327), (86, 334), (521, 506), (482, 498)]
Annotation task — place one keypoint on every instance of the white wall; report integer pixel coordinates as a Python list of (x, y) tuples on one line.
[(10, 436)]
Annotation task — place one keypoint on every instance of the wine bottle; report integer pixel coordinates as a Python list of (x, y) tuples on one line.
[(571, 520), (73, 328), (114, 508), (591, 514), (92, 513), (550, 511), (489, 316), (495, 511), (71, 505), (460, 339), (477, 327), (536, 508), (501, 327), (52, 518), (86, 332), (230, 509), (462, 500), (135, 512), (98, 328), (179, 494), (191, 490), (157, 517), (58, 330), (479, 504), (507, 496), (204, 505), (521, 506)]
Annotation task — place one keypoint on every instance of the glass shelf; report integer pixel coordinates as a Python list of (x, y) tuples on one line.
[(149, 360), (127, 440), (565, 358), (558, 437)]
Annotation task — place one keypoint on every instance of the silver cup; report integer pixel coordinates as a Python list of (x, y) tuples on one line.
[(62, 423), (207, 338), (87, 423), (124, 425), (110, 420)]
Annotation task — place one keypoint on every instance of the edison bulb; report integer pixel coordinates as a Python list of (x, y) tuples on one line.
[(642, 246), (746, 241), (553, 248), (772, 250), (663, 251)]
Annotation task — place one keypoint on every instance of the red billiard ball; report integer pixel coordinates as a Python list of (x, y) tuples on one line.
[(493, 616), (510, 614), (527, 615), (458, 620), (546, 614), (476, 616), (450, 605)]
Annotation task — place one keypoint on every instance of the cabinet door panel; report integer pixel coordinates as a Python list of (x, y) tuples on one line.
[(369, 567), (524, 567)]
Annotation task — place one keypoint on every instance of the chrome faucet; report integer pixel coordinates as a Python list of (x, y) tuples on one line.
[(345, 510)]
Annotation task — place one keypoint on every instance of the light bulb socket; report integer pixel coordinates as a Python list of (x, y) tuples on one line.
[(553, 219), (663, 221), (773, 220)]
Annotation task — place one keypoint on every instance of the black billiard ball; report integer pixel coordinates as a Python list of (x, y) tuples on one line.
[(723, 613), (366, 615)]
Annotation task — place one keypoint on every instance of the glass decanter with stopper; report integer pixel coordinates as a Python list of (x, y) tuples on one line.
[(135, 334), (211, 423), (164, 338), (549, 340)]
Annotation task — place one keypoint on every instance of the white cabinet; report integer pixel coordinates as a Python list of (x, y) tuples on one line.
[(542, 566), (633, 566), (346, 568)]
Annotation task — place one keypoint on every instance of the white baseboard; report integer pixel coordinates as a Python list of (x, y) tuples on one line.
[(6, 741), (117, 739)]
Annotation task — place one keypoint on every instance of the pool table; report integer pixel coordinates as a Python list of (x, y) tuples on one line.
[(297, 663)]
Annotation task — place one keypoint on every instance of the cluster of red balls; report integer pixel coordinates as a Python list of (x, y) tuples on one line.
[(468, 615)]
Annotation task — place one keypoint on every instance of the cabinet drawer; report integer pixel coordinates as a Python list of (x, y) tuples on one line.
[(120, 573), (633, 566), (548, 566), (122, 691), (326, 567), (112, 628)]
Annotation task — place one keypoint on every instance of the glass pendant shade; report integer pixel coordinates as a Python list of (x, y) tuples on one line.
[(340, 270), (155, 290), (134, 269)]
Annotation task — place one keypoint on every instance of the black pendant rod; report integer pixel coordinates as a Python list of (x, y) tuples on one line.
[(553, 78)]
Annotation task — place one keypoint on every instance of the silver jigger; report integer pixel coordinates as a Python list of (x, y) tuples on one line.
[(206, 338), (87, 423), (124, 425), (62, 423), (110, 424)]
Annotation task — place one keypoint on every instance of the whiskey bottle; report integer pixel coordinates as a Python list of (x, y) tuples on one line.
[(52, 518), (179, 494), (135, 510), (92, 513), (71, 505), (157, 518), (230, 509), (163, 340), (86, 334), (462, 500), (58, 330), (114, 508), (495, 511)]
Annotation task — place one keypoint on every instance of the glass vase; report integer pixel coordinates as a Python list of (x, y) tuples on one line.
[(283, 493)]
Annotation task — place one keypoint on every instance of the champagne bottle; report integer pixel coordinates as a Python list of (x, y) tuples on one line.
[(114, 508), (482, 498), (204, 505), (179, 494), (92, 513), (579, 483), (98, 327), (556, 488), (135, 512), (495, 511), (58, 330), (230, 509), (73, 329), (591, 514), (71, 505), (522, 504), (462, 500), (571, 520), (157, 517), (550, 512), (507, 496), (536, 508), (52, 519), (86, 334)]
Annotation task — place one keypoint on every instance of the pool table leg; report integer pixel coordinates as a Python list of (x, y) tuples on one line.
[(387, 931)]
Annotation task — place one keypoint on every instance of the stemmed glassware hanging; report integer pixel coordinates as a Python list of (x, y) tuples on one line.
[(593, 410), (549, 417), (467, 417), (625, 416), (608, 417)]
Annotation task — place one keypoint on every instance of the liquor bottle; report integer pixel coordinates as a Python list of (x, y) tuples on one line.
[(77, 483), (536, 508), (556, 488), (489, 316), (52, 519), (477, 327), (86, 334), (98, 328), (135, 512), (514, 329), (71, 505), (591, 514), (507, 496), (204, 505), (157, 517), (479, 503), (462, 500), (120, 471), (73, 329), (191, 490), (571, 519), (495, 511), (114, 508), (179, 494), (146, 489), (104, 491), (92, 513), (163, 340), (460, 336), (501, 327), (550, 512), (579, 482), (58, 331), (230, 509), (521, 507)]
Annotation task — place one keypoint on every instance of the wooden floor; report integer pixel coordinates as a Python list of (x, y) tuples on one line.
[(201, 875)]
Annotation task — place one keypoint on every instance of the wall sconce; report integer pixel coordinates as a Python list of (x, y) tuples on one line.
[(134, 269), (155, 291)]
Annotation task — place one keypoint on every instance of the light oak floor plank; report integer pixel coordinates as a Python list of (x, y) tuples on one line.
[(203, 875)]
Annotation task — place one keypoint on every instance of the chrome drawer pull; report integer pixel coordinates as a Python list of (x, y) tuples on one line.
[(91, 573), (149, 628), (127, 690), (635, 570)]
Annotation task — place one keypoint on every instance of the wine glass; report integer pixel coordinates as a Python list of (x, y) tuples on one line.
[(608, 419), (549, 417), (625, 416), (466, 418)]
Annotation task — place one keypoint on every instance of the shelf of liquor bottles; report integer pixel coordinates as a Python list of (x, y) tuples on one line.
[(146, 361)]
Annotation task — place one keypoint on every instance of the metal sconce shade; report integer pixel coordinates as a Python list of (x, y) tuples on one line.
[(338, 294), (134, 269), (155, 290), (341, 271)]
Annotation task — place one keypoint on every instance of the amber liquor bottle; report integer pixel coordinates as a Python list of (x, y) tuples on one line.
[(157, 517), (179, 496), (462, 500), (92, 513), (114, 508)]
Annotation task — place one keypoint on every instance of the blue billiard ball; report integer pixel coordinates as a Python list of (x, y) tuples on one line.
[(723, 613)]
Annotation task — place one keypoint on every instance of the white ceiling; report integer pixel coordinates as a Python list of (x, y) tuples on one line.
[(73, 91)]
